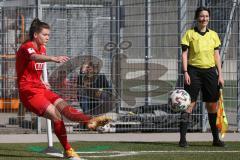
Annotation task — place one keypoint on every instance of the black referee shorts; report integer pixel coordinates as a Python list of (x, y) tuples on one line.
[(205, 80)]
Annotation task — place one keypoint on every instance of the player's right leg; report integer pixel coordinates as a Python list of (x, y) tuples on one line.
[(193, 90), (77, 116), (36, 102), (65, 109), (71, 113), (184, 122)]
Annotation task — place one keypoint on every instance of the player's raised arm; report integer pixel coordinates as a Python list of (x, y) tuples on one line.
[(46, 58)]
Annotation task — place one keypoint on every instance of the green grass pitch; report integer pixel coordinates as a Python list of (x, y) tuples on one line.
[(125, 151)]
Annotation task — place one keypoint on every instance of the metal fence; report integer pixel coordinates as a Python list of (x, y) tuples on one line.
[(134, 44)]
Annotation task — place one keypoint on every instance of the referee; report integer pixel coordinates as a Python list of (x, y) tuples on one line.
[(202, 71)]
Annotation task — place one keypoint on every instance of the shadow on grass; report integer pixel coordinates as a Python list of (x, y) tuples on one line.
[(22, 153), (174, 145), (27, 156)]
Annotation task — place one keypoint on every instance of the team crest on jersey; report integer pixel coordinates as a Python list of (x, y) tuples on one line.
[(31, 50), (39, 66)]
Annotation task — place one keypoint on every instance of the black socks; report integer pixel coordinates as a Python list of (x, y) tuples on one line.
[(212, 117), (185, 118)]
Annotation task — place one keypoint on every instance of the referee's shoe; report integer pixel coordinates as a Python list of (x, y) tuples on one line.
[(183, 144), (218, 143)]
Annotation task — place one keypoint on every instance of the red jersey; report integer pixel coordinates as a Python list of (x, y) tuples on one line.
[(29, 71)]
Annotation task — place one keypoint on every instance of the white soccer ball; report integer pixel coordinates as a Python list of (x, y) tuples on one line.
[(179, 100), (107, 128)]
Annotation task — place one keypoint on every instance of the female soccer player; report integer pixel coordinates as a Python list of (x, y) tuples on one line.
[(36, 95), (202, 70)]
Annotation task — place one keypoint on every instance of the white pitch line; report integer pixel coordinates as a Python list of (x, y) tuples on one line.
[(125, 153), (97, 152), (112, 154), (130, 153), (234, 151)]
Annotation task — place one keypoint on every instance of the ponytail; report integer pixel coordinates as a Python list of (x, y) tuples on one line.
[(36, 27)]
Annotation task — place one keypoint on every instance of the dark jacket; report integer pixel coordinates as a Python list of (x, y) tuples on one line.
[(91, 96)]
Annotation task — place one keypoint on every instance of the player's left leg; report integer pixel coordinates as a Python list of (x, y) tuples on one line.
[(212, 117), (58, 125), (210, 92), (59, 128)]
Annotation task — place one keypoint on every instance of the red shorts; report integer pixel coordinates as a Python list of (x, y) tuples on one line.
[(37, 99)]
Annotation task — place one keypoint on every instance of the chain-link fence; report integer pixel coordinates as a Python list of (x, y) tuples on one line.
[(134, 50)]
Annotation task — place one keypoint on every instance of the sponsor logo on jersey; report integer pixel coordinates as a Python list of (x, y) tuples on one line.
[(31, 50), (39, 66)]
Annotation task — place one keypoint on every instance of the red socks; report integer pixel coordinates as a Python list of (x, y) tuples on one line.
[(60, 131), (59, 127), (75, 115)]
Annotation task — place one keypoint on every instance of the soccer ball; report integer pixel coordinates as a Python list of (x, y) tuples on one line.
[(179, 100), (107, 128)]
